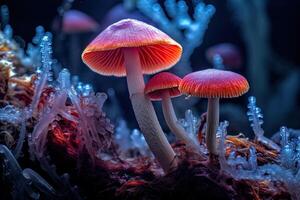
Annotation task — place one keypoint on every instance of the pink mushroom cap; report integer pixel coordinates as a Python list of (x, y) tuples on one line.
[(157, 51), (214, 83), (75, 21), (163, 82)]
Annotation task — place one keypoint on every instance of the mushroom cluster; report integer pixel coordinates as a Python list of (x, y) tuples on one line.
[(132, 48)]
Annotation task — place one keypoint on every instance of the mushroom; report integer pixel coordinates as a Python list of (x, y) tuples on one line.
[(162, 87), (226, 53), (74, 23), (213, 84), (132, 48)]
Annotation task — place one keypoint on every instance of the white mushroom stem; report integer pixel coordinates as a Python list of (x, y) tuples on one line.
[(144, 112), (172, 122), (212, 124)]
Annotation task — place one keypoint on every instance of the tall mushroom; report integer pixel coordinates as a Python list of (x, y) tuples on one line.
[(74, 23), (213, 84), (132, 48), (162, 87)]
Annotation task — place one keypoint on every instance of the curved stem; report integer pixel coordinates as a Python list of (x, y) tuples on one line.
[(144, 112), (172, 122), (212, 124)]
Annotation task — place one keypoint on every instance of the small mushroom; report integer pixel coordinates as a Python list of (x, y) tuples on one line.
[(132, 48), (75, 21), (213, 84), (228, 53), (162, 87)]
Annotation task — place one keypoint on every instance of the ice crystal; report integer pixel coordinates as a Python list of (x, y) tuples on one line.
[(237, 166), (128, 140), (188, 32), (221, 134), (288, 171), (190, 123), (122, 136), (252, 160), (44, 72), (139, 142), (284, 134), (256, 119), (289, 154)]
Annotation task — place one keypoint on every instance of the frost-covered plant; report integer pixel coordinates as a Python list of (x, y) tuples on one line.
[(187, 30), (256, 119)]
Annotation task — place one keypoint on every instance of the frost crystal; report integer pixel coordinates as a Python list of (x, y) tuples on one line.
[(190, 123), (252, 160), (44, 73), (289, 154), (256, 118), (221, 134), (284, 134), (130, 140)]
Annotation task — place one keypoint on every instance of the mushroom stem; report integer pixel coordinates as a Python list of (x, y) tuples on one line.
[(144, 112), (212, 124), (172, 121)]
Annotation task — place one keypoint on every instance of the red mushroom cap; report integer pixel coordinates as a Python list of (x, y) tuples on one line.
[(162, 82), (230, 54), (157, 50), (75, 21), (214, 83)]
